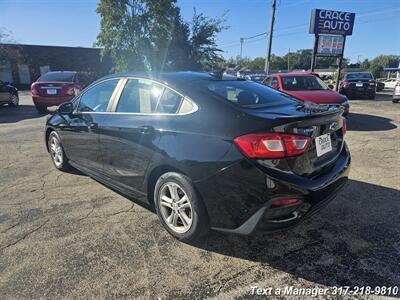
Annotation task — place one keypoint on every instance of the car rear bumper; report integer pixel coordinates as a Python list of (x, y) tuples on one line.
[(50, 101), (239, 198), (355, 91)]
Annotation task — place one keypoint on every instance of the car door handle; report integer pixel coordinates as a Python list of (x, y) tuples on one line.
[(146, 129), (93, 125)]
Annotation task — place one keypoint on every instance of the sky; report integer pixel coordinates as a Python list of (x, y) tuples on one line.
[(76, 23)]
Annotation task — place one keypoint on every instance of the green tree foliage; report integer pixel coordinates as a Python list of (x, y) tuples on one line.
[(383, 61), (151, 35)]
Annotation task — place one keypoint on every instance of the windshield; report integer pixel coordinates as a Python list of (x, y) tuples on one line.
[(302, 83), (58, 76), (359, 76), (248, 93)]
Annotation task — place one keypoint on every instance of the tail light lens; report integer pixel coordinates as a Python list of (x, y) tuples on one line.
[(345, 83), (272, 145), (344, 126), (34, 90), (283, 202), (71, 91)]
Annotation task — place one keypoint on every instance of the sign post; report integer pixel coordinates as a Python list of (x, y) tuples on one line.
[(330, 29)]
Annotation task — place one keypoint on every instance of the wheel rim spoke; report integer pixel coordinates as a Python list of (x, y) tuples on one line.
[(175, 207)]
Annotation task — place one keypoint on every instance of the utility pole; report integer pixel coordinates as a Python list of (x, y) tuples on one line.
[(288, 61), (241, 47), (271, 30)]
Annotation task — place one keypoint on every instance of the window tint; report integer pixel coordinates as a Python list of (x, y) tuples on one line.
[(139, 96), (96, 98), (359, 76), (169, 102), (248, 93), (58, 76), (275, 83), (303, 83)]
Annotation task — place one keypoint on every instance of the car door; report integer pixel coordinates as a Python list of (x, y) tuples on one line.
[(80, 134), (4, 95), (130, 135)]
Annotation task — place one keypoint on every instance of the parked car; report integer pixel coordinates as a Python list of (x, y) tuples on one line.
[(396, 93), (358, 84), (307, 86), (380, 86), (54, 88), (8, 94), (256, 77), (390, 83), (206, 151)]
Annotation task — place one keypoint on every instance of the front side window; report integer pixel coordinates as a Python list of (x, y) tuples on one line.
[(96, 98), (302, 83)]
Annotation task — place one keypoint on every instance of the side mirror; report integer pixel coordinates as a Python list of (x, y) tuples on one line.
[(331, 86), (66, 108)]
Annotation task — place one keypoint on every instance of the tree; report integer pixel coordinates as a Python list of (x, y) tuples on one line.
[(151, 35), (383, 61)]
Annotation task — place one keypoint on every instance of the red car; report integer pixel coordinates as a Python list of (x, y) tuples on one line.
[(307, 86), (54, 88)]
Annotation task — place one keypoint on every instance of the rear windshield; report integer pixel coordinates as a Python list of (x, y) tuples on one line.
[(359, 76), (58, 76), (248, 93), (302, 83)]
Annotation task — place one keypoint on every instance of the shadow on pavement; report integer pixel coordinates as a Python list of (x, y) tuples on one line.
[(353, 241), (362, 122), (18, 113)]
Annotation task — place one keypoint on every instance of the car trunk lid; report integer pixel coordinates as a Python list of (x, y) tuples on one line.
[(53, 89), (309, 120)]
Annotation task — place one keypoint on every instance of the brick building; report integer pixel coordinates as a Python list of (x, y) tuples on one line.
[(23, 64)]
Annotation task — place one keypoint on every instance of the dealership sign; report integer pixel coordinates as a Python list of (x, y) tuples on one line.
[(331, 22), (330, 44)]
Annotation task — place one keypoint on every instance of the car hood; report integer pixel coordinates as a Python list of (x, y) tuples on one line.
[(319, 96)]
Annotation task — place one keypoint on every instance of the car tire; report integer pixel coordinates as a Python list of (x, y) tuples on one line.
[(180, 209), (57, 154), (395, 100), (14, 100), (41, 108)]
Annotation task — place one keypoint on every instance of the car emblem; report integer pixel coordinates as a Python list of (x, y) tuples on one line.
[(333, 126)]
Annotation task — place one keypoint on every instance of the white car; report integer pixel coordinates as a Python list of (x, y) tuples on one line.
[(396, 93), (390, 83)]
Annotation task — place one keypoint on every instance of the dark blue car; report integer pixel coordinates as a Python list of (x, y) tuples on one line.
[(206, 152)]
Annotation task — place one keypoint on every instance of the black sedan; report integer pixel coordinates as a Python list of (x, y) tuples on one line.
[(8, 94), (206, 152), (360, 84)]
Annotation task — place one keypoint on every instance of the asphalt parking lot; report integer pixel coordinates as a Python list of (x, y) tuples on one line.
[(64, 235)]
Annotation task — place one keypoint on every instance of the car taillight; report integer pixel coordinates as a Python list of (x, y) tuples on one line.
[(371, 82), (34, 90), (344, 126), (283, 202), (345, 83), (272, 145), (71, 91)]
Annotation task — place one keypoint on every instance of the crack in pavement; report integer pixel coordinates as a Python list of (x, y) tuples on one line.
[(2, 247)]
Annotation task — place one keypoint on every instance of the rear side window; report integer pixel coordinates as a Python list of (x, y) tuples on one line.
[(58, 77), (96, 98), (139, 96), (169, 102), (248, 94)]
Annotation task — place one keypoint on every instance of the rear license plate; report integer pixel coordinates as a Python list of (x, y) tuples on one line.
[(323, 144), (51, 92), (359, 84)]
